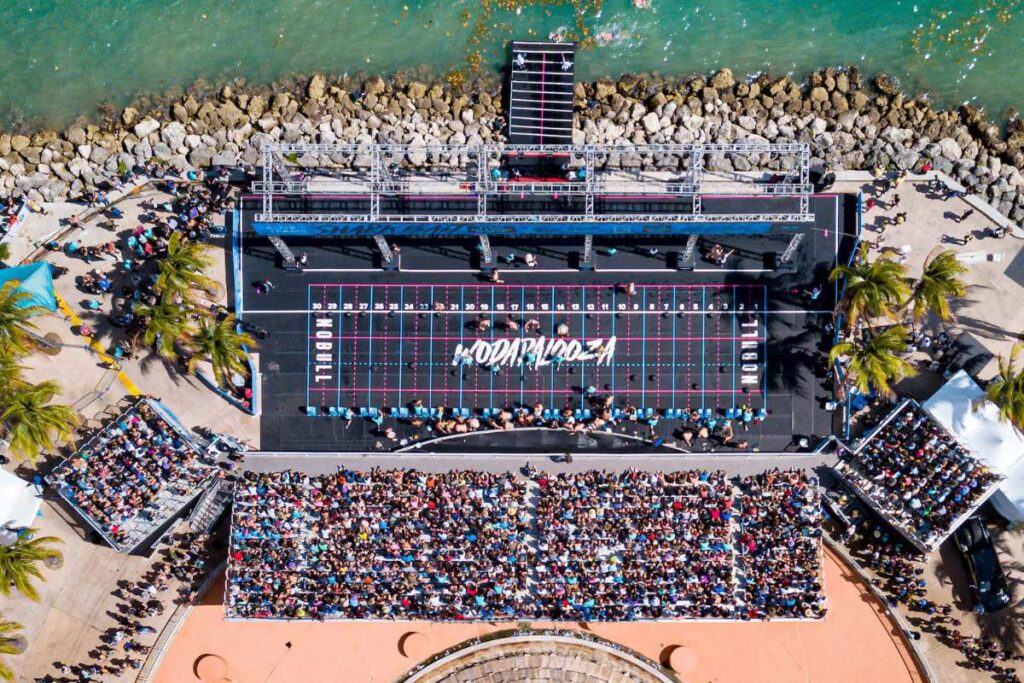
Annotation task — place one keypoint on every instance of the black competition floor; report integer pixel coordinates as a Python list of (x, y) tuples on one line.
[(346, 334)]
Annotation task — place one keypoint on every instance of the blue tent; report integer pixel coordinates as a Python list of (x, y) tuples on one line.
[(36, 279)]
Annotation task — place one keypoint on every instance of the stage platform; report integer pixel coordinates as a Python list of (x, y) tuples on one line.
[(345, 335)]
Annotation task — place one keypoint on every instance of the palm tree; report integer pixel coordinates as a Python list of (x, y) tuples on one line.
[(224, 345), (30, 421), (184, 267), (10, 375), (16, 310), (11, 643), (167, 324), (1007, 389), (18, 563), (875, 363), (873, 288), (940, 281)]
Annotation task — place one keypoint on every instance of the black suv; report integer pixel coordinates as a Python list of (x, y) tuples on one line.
[(987, 578)]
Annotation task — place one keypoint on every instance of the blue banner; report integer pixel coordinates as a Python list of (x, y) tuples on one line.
[(365, 230)]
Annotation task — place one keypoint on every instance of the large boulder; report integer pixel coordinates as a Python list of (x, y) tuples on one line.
[(180, 113), (162, 151), (129, 115), (887, 84), (652, 123), (374, 85), (145, 127), (723, 80), (75, 135), (143, 151), (174, 135), (255, 108), (416, 90), (317, 87), (99, 155), (950, 149), (603, 90), (78, 167), (20, 142)]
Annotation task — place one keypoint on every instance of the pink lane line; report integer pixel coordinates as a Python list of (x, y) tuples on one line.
[(650, 338), (572, 391), (471, 286)]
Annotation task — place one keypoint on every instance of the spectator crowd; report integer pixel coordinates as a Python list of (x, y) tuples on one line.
[(617, 546), (592, 546), (917, 474), (780, 546), (385, 544), (117, 477)]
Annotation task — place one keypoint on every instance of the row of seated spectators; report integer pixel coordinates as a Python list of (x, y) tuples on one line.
[(601, 546), (918, 474), (116, 477)]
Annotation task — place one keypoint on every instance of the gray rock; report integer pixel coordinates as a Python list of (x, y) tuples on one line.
[(162, 151), (178, 163), (143, 151), (950, 149), (652, 123), (75, 135), (145, 127), (99, 155), (173, 134), (85, 151), (201, 156), (224, 159), (907, 159), (78, 166)]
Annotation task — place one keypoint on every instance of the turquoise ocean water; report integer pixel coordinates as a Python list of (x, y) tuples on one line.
[(61, 58)]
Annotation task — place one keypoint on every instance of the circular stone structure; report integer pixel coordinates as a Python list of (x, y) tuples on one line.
[(539, 657)]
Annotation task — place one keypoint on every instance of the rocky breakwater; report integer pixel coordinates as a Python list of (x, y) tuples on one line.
[(850, 122)]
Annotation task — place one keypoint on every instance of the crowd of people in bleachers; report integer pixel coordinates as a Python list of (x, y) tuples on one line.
[(116, 477), (384, 544), (618, 546), (600, 546), (780, 546), (918, 474)]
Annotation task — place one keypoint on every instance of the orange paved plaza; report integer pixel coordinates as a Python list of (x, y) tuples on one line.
[(856, 642)]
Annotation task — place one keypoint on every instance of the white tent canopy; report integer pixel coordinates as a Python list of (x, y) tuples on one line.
[(961, 407), (19, 504)]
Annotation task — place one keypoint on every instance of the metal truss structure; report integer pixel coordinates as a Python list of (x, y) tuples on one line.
[(366, 182)]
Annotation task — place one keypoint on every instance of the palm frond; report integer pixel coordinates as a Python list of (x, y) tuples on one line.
[(876, 363)]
